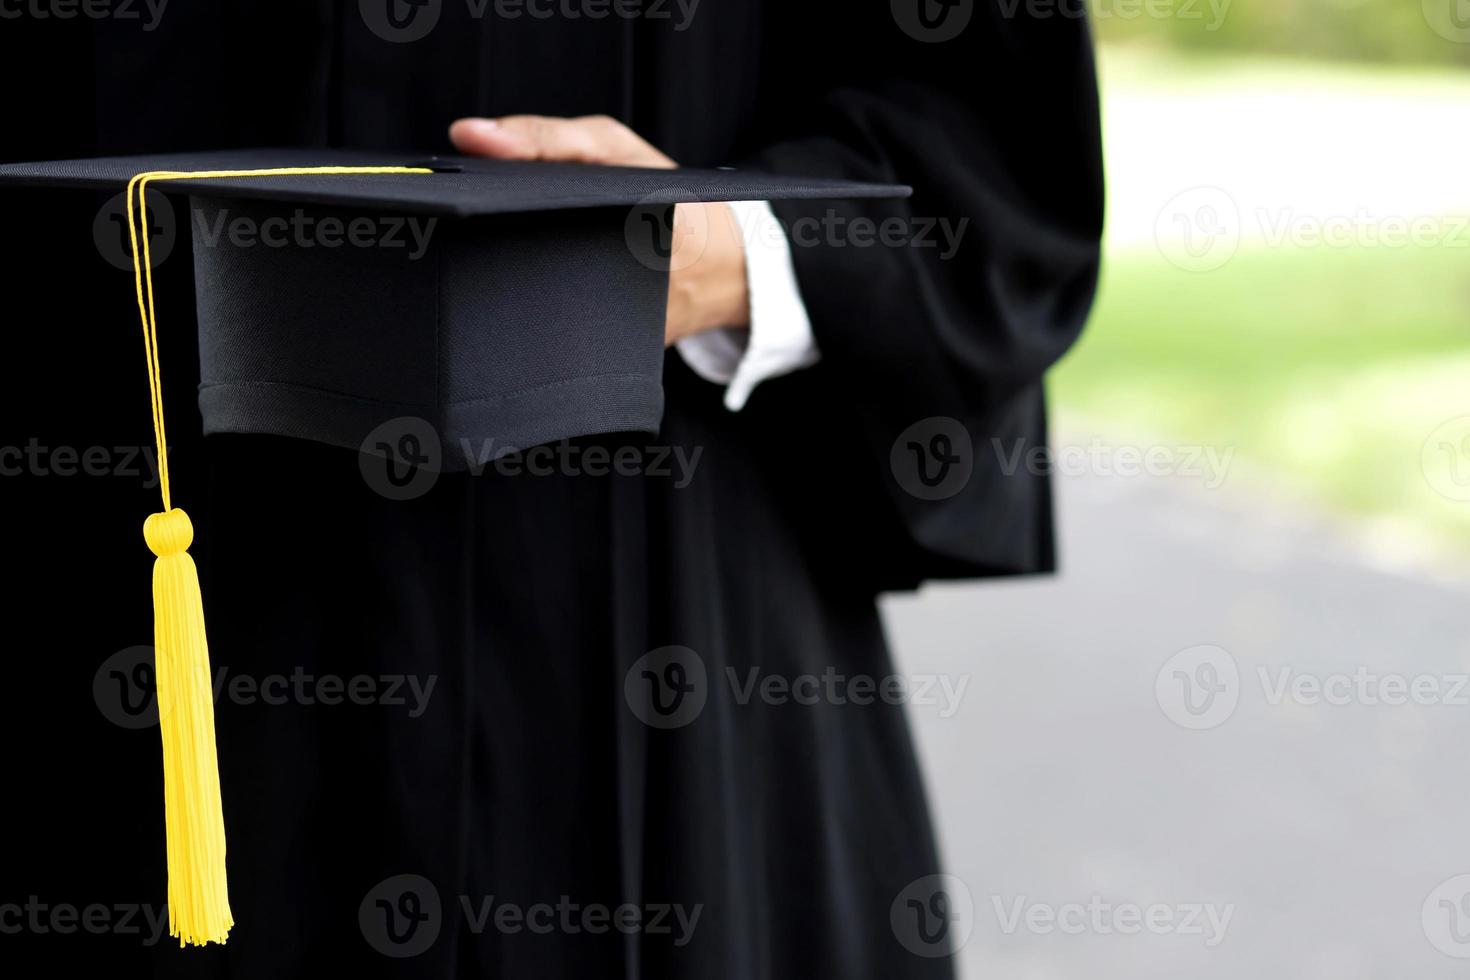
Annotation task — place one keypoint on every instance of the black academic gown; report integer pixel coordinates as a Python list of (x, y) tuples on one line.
[(528, 776)]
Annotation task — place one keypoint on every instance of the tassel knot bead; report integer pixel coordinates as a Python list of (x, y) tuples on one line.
[(168, 533)]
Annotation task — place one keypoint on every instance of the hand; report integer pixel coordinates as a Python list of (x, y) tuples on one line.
[(707, 287)]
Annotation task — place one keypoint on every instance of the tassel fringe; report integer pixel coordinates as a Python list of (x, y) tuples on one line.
[(198, 900)]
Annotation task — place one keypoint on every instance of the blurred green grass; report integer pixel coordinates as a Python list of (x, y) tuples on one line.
[(1325, 368), (1405, 32), (1329, 368)]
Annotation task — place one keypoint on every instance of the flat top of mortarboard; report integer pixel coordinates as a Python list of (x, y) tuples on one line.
[(459, 187)]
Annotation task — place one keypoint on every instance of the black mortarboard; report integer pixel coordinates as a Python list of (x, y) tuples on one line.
[(532, 311)]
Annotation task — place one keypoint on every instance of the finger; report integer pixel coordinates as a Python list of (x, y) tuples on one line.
[(526, 138), (588, 139), (483, 138), (620, 146)]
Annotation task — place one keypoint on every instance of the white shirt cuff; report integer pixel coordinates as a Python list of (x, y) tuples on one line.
[(780, 338)]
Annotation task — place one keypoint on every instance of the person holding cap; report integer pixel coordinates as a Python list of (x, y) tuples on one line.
[(657, 707)]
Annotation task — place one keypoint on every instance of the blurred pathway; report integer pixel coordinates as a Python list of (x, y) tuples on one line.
[(1319, 821)]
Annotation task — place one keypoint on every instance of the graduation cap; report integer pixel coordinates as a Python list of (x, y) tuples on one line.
[(531, 311)]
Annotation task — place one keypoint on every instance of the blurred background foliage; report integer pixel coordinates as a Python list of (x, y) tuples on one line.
[(1326, 368), (1390, 31)]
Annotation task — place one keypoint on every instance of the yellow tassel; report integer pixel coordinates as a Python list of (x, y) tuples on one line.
[(198, 900), (198, 896)]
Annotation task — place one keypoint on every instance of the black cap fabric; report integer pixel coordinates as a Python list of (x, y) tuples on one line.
[(461, 187), (531, 309)]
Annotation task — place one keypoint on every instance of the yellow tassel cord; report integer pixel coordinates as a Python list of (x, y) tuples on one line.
[(198, 899)]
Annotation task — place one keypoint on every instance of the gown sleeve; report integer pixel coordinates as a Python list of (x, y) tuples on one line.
[(946, 334)]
